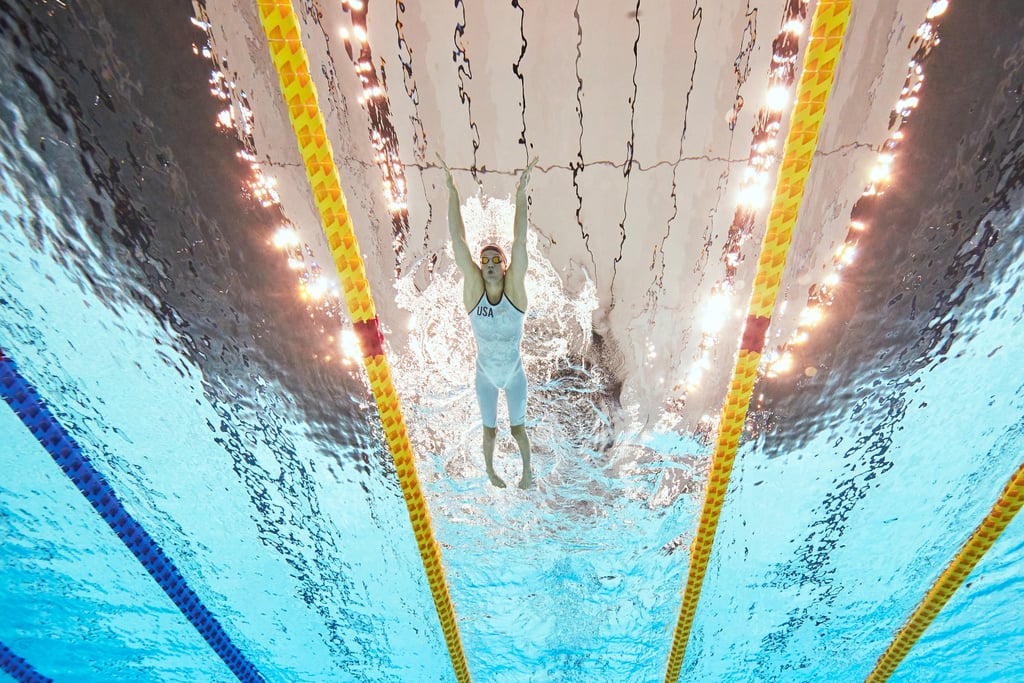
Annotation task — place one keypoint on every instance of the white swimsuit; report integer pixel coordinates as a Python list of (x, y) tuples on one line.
[(498, 329)]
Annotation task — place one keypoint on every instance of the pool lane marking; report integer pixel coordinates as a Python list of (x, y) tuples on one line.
[(828, 28), (979, 543), (18, 669), (23, 399), (281, 27)]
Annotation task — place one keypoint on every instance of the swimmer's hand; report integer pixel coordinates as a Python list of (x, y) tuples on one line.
[(524, 178), (448, 173)]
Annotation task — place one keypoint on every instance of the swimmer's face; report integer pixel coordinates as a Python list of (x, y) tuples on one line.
[(492, 266)]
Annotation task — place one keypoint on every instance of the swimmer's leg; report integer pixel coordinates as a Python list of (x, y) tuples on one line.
[(515, 394), (490, 436), (487, 398), (519, 434)]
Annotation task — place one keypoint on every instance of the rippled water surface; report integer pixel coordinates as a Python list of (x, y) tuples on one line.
[(139, 295)]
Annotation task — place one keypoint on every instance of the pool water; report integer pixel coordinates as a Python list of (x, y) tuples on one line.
[(135, 300)]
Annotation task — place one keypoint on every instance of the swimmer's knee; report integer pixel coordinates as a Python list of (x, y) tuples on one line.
[(490, 432), (518, 430)]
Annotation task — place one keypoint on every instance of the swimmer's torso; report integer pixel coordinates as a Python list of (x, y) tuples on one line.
[(498, 329)]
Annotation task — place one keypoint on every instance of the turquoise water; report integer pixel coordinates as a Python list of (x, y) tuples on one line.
[(136, 302)]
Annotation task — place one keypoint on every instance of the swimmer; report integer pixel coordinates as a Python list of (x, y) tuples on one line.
[(494, 294)]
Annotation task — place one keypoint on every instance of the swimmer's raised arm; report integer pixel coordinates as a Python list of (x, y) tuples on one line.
[(457, 229), (515, 278), (472, 278)]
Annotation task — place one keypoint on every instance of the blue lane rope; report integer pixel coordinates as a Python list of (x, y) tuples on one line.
[(18, 668), (31, 410)]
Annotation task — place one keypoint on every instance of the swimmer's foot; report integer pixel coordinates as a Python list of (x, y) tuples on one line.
[(495, 479), (527, 480)]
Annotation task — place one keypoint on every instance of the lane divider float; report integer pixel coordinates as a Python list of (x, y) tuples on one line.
[(23, 399), (281, 26), (18, 669), (828, 28), (995, 522)]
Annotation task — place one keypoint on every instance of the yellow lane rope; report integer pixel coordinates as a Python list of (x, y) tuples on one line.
[(956, 573), (828, 27), (282, 30)]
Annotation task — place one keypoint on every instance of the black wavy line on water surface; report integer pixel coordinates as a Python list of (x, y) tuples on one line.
[(419, 133), (741, 65), (630, 148), (743, 219), (673, 163), (577, 168), (334, 96), (709, 227), (379, 111), (312, 10), (465, 71), (785, 46), (517, 70), (659, 279)]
